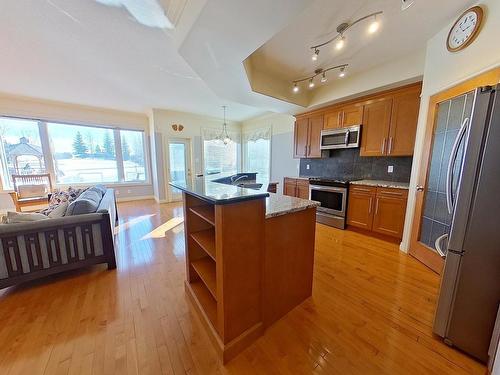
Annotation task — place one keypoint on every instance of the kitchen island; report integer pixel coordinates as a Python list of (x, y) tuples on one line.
[(249, 258)]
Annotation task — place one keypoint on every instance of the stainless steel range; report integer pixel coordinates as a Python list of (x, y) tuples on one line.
[(332, 194)]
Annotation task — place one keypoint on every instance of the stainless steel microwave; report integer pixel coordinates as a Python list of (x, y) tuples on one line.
[(341, 138)]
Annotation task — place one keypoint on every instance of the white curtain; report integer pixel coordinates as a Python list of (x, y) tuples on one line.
[(212, 134), (256, 134)]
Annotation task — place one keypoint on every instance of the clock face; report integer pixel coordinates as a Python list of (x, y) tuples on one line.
[(464, 30)]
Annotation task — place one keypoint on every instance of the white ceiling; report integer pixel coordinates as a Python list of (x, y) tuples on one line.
[(84, 52), (287, 55)]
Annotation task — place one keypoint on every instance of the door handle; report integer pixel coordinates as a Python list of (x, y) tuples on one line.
[(451, 165), (420, 188), (347, 137), (437, 245)]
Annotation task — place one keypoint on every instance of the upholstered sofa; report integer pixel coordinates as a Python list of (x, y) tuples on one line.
[(30, 250)]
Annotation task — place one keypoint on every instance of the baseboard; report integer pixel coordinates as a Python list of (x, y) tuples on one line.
[(138, 198)]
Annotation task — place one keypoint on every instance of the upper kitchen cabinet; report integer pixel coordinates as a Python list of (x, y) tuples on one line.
[(405, 107), (344, 116), (375, 129), (307, 137), (388, 123)]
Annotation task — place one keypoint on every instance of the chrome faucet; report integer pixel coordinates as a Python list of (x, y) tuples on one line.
[(233, 180)]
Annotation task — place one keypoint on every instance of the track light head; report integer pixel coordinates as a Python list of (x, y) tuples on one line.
[(323, 78), (315, 55), (311, 83), (340, 43), (342, 72), (374, 26), (295, 88)]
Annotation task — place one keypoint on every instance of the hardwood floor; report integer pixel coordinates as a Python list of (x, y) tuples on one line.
[(371, 313)]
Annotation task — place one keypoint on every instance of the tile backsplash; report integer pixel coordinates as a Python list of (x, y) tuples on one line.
[(347, 164)]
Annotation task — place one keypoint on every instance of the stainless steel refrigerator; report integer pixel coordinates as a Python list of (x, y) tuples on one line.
[(470, 286)]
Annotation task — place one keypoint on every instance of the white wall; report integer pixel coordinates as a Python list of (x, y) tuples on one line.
[(443, 70), (161, 122), (282, 162)]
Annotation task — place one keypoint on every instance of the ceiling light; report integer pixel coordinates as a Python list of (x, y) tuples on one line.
[(323, 78), (295, 87), (311, 83), (373, 26), (315, 55), (342, 72), (343, 27), (340, 43), (405, 4), (224, 136)]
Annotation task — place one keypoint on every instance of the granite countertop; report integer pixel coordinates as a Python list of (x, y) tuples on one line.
[(277, 204), (382, 183), (219, 193)]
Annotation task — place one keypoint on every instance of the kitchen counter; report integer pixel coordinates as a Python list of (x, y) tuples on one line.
[(277, 204), (382, 183)]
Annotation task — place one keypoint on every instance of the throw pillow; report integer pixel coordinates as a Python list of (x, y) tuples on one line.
[(87, 203), (23, 217), (57, 211)]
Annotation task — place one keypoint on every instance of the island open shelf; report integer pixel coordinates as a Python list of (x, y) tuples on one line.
[(247, 264)]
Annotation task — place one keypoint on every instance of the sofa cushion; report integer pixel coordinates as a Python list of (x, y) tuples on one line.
[(99, 188), (86, 203), (65, 196), (23, 217)]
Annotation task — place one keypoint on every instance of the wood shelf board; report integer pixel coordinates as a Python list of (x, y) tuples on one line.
[(206, 240), (206, 212), (205, 268), (205, 301)]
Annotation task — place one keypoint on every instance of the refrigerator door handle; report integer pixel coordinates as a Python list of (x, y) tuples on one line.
[(437, 245), (451, 165)]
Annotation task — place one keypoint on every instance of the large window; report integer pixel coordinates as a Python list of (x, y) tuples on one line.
[(20, 149), (134, 165), (83, 154), (78, 154), (257, 152), (220, 158)]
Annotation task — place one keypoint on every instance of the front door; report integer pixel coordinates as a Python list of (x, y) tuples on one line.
[(179, 166)]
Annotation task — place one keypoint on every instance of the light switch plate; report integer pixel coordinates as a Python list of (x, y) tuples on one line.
[(390, 169)]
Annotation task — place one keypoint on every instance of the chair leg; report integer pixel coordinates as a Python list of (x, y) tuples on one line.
[(13, 195)]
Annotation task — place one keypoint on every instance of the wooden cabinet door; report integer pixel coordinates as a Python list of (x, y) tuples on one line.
[(404, 117), (375, 128), (390, 209), (360, 210), (333, 119), (302, 189), (352, 115), (315, 128), (290, 187), (301, 133)]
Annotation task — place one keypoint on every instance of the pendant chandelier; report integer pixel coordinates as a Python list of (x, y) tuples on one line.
[(224, 136)]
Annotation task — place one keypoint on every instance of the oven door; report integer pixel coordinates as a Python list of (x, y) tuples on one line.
[(332, 199)]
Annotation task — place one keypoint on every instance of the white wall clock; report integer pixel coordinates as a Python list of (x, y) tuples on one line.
[(465, 29)]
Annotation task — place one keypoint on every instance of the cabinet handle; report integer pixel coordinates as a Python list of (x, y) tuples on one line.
[(390, 145), (339, 119), (376, 207), (361, 189), (305, 150), (370, 206), (383, 145)]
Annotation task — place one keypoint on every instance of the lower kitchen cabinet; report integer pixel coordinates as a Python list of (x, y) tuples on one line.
[(296, 187), (380, 210)]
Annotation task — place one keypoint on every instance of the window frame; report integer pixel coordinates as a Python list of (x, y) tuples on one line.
[(48, 152), (237, 140)]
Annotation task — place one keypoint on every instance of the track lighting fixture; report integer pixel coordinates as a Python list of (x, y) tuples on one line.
[(318, 72), (342, 28)]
